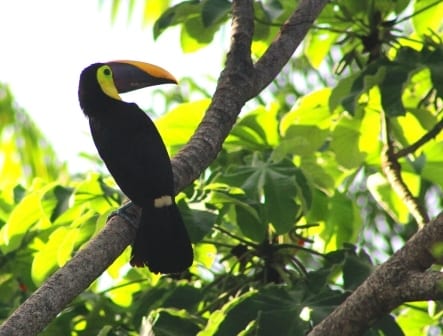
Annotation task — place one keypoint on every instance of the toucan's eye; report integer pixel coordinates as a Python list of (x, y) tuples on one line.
[(107, 71)]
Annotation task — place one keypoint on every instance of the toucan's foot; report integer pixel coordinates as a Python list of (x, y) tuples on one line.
[(128, 216)]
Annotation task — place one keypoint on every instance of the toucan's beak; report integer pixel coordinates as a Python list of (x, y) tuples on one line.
[(133, 75)]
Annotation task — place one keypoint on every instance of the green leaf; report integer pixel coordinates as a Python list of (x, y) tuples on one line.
[(280, 193), (371, 76), (312, 110), (342, 223), (434, 163), (93, 192), (274, 186), (341, 93), (428, 18), (33, 209), (255, 311), (177, 126), (433, 60), (257, 130), (388, 199), (194, 35), (198, 222), (249, 221), (321, 170), (356, 269), (248, 218), (388, 325), (45, 260), (177, 14), (345, 144), (170, 321), (415, 318), (214, 11), (301, 140), (318, 45)]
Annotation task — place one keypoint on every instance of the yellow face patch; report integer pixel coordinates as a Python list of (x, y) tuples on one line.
[(106, 82)]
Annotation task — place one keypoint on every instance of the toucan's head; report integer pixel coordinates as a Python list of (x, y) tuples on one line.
[(101, 83)]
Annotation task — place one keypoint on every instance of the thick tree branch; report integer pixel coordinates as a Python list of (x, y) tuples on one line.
[(404, 277), (238, 82)]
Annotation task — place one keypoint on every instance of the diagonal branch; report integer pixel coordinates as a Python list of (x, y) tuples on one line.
[(283, 47), (404, 277), (238, 82), (420, 142), (392, 169)]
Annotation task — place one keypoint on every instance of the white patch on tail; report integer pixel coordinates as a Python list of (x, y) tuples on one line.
[(163, 201)]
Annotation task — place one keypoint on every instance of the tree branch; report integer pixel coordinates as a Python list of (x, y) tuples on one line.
[(238, 82), (283, 47), (392, 169), (400, 279), (420, 142)]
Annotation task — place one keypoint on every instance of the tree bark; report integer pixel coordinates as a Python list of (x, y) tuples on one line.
[(404, 277)]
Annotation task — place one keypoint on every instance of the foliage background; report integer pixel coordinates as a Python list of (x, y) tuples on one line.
[(295, 211)]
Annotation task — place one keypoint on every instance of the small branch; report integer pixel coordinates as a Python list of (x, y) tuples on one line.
[(420, 142), (402, 278), (392, 170), (283, 47)]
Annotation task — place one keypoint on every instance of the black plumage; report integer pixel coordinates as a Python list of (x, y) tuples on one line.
[(133, 151)]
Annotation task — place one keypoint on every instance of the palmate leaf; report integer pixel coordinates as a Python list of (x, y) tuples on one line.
[(198, 222), (274, 187), (257, 130)]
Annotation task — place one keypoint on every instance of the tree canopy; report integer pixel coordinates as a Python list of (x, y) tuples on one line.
[(310, 182)]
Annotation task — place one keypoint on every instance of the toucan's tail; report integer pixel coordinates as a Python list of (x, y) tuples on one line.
[(162, 242)]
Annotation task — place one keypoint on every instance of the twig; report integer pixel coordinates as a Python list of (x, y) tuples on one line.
[(420, 142), (392, 170)]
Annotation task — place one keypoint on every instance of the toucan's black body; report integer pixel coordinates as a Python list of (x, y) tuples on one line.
[(133, 151)]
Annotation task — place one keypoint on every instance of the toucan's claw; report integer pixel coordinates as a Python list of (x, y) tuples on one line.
[(128, 216)]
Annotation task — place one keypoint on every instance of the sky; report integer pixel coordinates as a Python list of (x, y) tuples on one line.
[(45, 44)]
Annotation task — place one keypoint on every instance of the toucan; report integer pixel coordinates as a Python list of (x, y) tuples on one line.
[(134, 153)]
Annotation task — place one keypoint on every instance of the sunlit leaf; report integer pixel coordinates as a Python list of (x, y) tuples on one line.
[(312, 109), (29, 212), (429, 16), (256, 130), (388, 199), (344, 143), (178, 125), (45, 260), (318, 45), (342, 222)]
